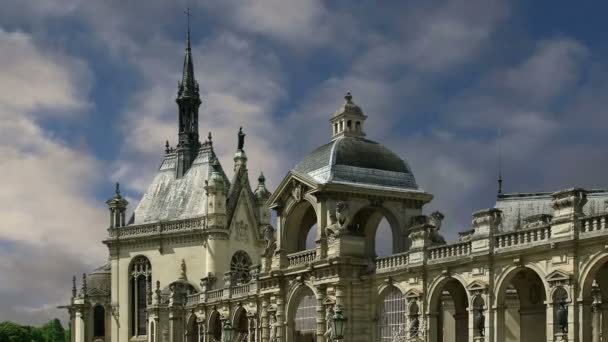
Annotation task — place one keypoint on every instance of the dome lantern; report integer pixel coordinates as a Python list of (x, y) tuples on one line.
[(348, 119)]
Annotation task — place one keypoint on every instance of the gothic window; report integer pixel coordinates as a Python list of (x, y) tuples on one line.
[(392, 314), (140, 285), (240, 266), (99, 321), (306, 315)]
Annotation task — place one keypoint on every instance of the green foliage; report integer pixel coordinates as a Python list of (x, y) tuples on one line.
[(50, 332)]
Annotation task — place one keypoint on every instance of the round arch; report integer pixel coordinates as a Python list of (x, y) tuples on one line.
[(521, 298), (447, 309), (589, 272), (239, 321), (192, 329), (214, 326), (301, 311), (391, 310), (368, 219), (300, 218)]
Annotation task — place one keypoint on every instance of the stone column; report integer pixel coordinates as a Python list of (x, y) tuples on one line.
[(320, 316), (281, 319), (264, 320), (79, 326)]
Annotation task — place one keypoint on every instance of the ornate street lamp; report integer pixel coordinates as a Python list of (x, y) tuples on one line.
[(339, 322), (228, 332)]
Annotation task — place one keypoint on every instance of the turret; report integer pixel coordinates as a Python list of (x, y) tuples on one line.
[(216, 197), (348, 120), (261, 195), (118, 208)]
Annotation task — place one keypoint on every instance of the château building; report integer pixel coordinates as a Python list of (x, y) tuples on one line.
[(201, 251)]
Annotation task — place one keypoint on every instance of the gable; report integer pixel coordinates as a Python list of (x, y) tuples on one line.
[(244, 223)]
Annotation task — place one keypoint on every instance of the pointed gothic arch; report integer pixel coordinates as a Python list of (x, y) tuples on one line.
[(140, 285)]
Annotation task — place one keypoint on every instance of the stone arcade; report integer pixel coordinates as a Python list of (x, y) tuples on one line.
[(200, 251)]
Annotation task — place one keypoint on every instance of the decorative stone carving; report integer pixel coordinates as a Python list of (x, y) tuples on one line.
[(340, 221), (207, 282), (241, 231), (182, 270), (297, 191), (271, 241), (435, 219), (537, 221), (562, 315), (329, 319), (480, 321)]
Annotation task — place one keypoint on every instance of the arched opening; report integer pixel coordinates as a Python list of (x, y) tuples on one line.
[(300, 228), (193, 332), (392, 315), (240, 266), (349, 125), (139, 285), (152, 331), (99, 321), (215, 327), (303, 314), (336, 128), (521, 309), (449, 317), (358, 126), (594, 295), (381, 231), (240, 324)]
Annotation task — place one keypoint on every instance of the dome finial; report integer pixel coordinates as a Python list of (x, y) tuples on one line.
[(261, 178), (117, 190), (348, 97), (241, 139)]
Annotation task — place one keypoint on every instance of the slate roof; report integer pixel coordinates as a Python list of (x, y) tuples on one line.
[(168, 198), (357, 160), (98, 281)]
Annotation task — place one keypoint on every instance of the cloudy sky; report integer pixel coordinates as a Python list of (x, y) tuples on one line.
[(87, 93)]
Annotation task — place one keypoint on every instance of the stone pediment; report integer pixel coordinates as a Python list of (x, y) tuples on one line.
[(412, 294), (477, 287), (558, 277), (289, 188), (329, 301)]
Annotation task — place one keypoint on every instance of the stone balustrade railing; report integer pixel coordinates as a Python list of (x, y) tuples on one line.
[(157, 228), (594, 223), (193, 299), (240, 290), (303, 257), (215, 294), (449, 251), (522, 237), (392, 261)]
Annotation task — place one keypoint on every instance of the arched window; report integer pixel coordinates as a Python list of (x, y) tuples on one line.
[(215, 327), (392, 314), (358, 126), (336, 128), (306, 316), (240, 266), (349, 125), (140, 285), (99, 321)]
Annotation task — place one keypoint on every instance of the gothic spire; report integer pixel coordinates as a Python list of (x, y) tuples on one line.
[(188, 101)]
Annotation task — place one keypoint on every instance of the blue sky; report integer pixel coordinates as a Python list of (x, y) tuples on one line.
[(87, 93)]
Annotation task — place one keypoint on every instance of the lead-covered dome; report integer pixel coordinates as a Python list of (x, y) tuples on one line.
[(98, 281), (350, 158)]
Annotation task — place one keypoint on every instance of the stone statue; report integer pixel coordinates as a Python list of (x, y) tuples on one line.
[(329, 319), (241, 139), (435, 219), (480, 322), (273, 327), (297, 191), (414, 325), (182, 268), (562, 315), (271, 241), (340, 220)]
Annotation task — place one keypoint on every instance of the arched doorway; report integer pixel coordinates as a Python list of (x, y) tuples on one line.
[(521, 310), (392, 315), (448, 309), (193, 333), (300, 230), (99, 321), (215, 327), (594, 298), (302, 318), (240, 324)]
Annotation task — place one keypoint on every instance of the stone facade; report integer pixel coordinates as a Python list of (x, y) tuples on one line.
[(200, 251)]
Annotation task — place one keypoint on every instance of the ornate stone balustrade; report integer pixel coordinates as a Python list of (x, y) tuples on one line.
[(215, 294), (193, 299), (303, 257), (594, 223), (391, 261), (522, 237), (157, 228), (240, 290), (449, 251)]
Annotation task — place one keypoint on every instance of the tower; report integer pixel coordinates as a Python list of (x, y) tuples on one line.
[(348, 119), (188, 101)]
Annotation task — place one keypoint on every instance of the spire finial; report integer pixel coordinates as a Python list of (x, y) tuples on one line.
[(261, 178), (188, 14), (74, 287), (348, 97), (499, 161), (167, 150), (117, 190), (241, 136), (83, 290)]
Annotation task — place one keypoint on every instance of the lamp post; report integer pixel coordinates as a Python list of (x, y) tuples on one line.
[(339, 322), (228, 332)]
